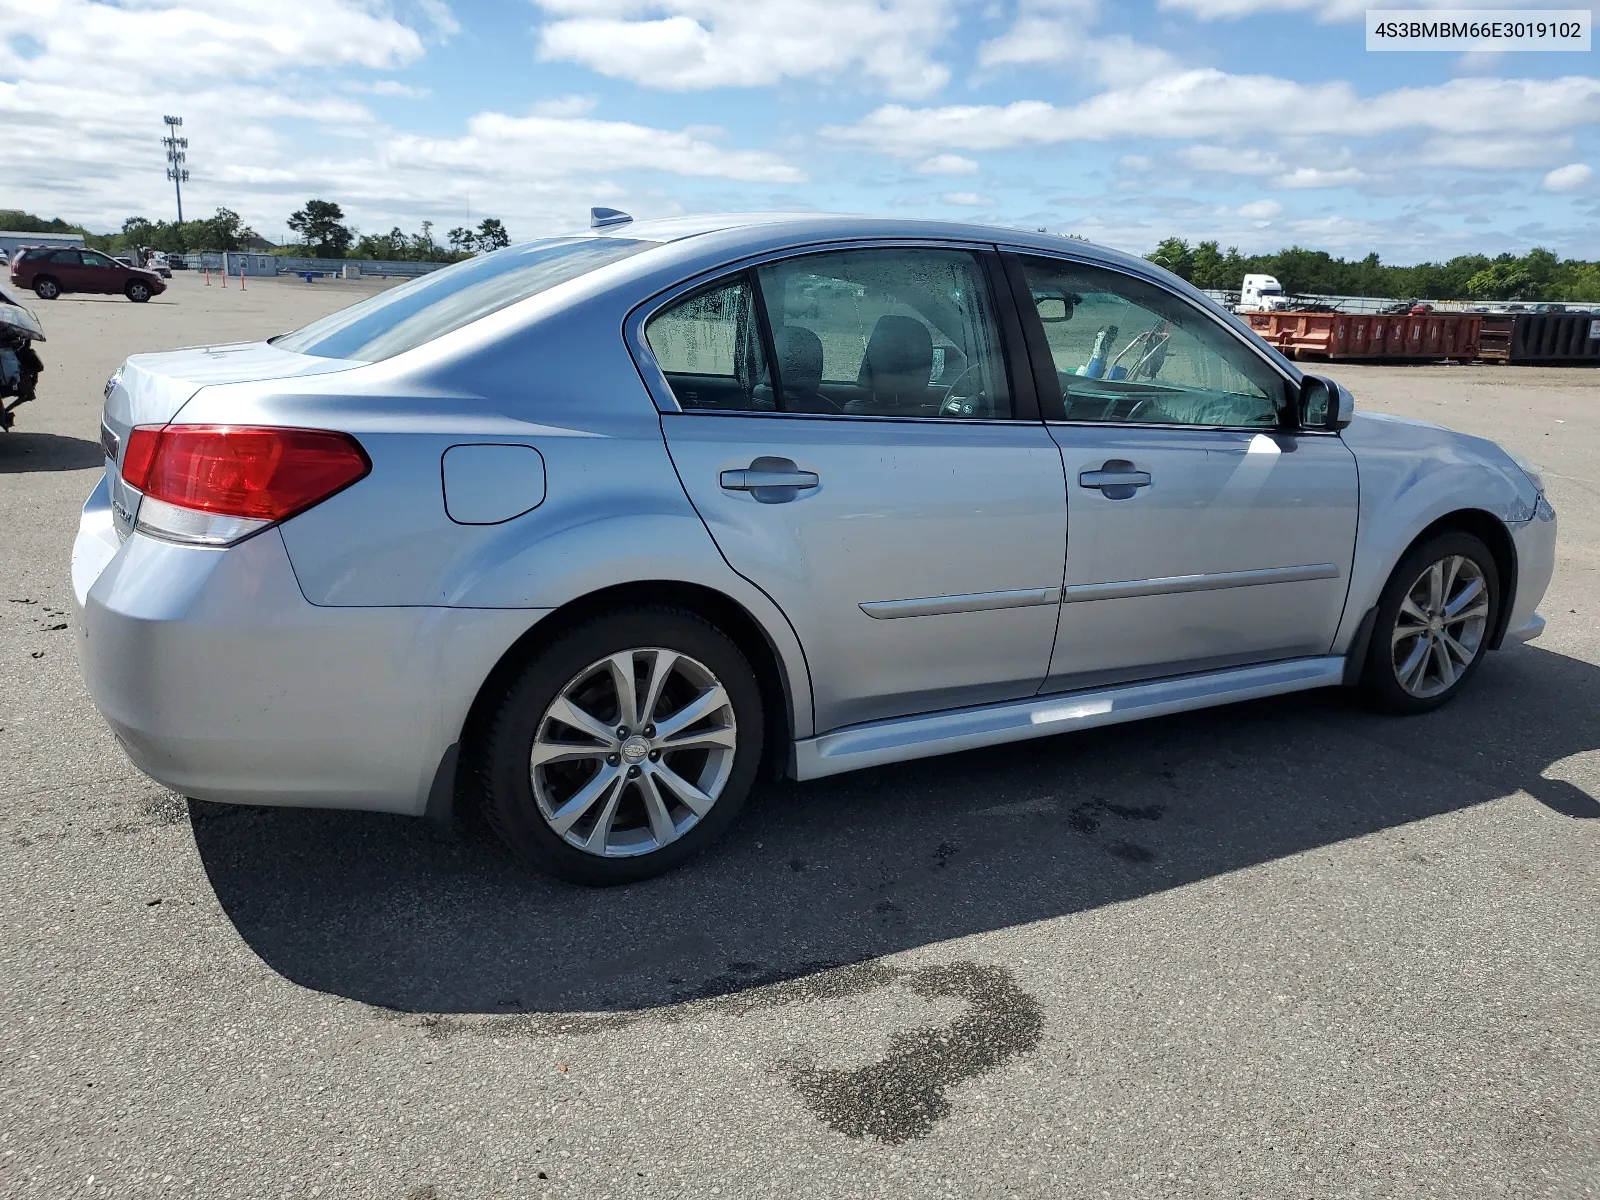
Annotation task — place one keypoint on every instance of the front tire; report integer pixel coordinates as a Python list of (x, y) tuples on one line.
[(624, 748), (1435, 618), (137, 290), (46, 288)]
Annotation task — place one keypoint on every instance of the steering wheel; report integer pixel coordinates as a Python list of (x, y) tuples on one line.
[(955, 405)]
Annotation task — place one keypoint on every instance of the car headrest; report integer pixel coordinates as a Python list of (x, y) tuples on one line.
[(899, 357), (799, 358)]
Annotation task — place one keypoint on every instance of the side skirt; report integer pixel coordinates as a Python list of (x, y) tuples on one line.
[(922, 736)]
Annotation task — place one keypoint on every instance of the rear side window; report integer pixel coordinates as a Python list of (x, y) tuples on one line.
[(708, 345), (429, 307)]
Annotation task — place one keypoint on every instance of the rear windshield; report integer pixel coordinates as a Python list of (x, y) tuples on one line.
[(432, 305)]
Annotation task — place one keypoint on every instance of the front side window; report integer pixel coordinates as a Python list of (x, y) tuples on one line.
[(1129, 352), (433, 305), (93, 258)]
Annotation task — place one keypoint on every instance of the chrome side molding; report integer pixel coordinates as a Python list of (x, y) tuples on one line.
[(932, 606), (905, 738), (1166, 585)]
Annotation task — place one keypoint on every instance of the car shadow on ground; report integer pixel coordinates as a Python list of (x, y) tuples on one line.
[(26, 452), (386, 911)]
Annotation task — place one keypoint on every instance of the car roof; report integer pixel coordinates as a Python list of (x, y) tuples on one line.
[(734, 235)]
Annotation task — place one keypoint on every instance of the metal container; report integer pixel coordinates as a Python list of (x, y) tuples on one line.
[(1428, 336)]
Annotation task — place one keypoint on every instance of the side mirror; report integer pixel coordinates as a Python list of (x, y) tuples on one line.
[(1325, 404), (1055, 307)]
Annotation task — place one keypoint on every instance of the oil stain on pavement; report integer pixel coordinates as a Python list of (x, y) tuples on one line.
[(900, 1097)]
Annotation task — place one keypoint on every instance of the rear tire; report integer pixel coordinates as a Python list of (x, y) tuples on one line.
[(1435, 618), (603, 784), (46, 288), (137, 290)]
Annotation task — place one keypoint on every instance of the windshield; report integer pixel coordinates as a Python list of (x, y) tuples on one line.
[(431, 306)]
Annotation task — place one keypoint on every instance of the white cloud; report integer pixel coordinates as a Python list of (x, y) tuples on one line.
[(684, 45), (1323, 10), (231, 39), (1569, 178), (1492, 153), (389, 87), (1044, 32), (968, 200), (564, 106), (947, 164), (1260, 210), (1135, 162), (1210, 103), (574, 145), (1058, 33), (1231, 160), (1318, 177)]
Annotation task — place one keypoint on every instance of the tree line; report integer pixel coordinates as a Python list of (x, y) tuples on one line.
[(1536, 275), (324, 233), (320, 225)]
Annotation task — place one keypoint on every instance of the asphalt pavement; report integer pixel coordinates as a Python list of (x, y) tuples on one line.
[(1280, 949)]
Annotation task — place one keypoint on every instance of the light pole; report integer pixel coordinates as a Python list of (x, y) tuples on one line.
[(176, 154)]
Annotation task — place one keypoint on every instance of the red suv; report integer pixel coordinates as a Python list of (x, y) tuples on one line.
[(50, 271)]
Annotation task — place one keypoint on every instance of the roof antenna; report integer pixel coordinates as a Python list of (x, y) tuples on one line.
[(599, 218)]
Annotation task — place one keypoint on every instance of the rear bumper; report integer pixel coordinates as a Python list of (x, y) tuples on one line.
[(223, 683)]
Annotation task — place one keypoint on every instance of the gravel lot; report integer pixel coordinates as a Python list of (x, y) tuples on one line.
[(1283, 949)]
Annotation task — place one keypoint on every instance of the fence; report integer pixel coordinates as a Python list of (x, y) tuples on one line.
[(278, 264)]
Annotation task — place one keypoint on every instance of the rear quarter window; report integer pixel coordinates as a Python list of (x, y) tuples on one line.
[(415, 313)]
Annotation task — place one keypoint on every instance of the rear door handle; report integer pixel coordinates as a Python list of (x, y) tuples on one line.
[(770, 480), (1117, 479)]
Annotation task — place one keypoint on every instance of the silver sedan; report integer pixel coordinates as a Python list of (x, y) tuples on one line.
[(592, 529)]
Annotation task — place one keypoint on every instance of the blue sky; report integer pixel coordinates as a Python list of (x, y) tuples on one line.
[(1260, 123)]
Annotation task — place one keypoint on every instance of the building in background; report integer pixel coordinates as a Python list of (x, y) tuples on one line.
[(11, 242)]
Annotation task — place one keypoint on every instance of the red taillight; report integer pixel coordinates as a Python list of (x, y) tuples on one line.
[(242, 470)]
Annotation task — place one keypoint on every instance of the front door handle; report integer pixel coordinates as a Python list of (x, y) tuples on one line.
[(770, 480), (1117, 479)]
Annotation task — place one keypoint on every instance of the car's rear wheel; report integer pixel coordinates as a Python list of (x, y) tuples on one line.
[(1434, 622), (137, 290), (46, 288), (623, 748)]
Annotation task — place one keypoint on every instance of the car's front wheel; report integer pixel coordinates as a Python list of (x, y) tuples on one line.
[(1433, 626), (46, 288), (137, 290), (624, 747)]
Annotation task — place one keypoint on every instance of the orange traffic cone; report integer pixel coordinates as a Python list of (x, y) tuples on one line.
[(208, 276), (241, 279), (224, 277)]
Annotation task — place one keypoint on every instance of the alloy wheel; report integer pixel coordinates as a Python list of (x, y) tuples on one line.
[(633, 752), (1440, 628)]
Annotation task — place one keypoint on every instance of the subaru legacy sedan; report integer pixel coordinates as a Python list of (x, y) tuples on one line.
[(591, 530)]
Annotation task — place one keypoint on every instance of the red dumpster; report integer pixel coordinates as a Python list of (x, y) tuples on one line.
[(1343, 335)]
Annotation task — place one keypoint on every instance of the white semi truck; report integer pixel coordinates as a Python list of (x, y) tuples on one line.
[(1261, 293)]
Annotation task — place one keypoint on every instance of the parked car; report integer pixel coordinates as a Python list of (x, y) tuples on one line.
[(592, 528), (50, 272)]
